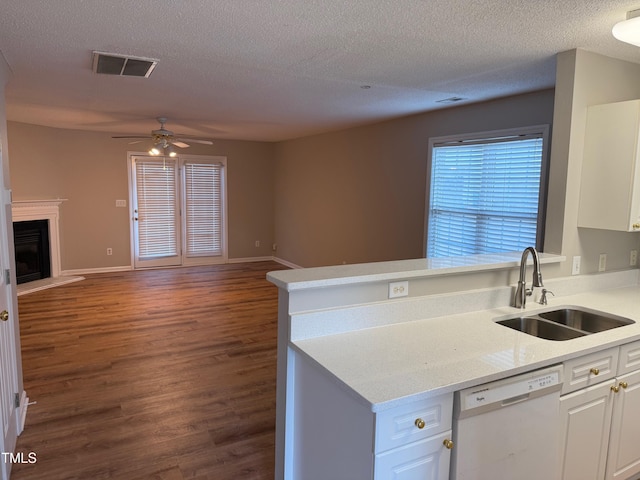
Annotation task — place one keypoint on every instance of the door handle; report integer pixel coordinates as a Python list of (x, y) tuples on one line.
[(4, 315)]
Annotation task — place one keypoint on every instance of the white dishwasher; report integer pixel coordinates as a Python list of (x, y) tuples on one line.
[(508, 429)]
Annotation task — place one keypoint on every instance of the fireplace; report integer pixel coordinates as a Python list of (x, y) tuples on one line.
[(25, 211), (33, 258)]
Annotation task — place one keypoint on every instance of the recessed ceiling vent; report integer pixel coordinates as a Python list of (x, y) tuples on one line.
[(123, 65)]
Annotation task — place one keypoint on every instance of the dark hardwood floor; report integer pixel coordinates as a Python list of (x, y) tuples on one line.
[(160, 374)]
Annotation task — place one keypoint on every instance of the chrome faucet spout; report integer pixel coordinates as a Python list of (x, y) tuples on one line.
[(522, 292)]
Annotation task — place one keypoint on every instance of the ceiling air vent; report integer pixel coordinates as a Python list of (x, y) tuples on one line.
[(123, 65)]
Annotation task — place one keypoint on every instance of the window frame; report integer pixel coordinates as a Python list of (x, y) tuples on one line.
[(198, 259), (491, 135)]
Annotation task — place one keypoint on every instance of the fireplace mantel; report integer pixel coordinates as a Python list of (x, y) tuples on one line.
[(25, 210)]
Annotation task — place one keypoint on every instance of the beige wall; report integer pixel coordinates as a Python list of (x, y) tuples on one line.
[(353, 196), (90, 170), (358, 195)]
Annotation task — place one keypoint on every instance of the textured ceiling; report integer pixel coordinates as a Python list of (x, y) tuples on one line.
[(281, 69)]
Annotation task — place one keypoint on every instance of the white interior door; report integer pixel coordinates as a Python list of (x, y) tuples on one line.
[(156, 211), (8, 342)]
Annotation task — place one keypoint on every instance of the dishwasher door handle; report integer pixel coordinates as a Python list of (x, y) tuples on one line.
[(513, 400)]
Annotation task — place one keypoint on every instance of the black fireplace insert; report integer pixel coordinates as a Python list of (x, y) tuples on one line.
[(33, 257)]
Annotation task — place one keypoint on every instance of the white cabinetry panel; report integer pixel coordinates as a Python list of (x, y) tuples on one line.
[(610, 182), (585, 420), (590, 369), (624, 445), (422, 460)]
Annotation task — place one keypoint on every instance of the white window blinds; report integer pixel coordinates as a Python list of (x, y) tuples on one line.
[(203, 205), (484, 196), (156, 185)]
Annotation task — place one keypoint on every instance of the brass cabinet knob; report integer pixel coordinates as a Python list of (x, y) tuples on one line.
[(4, 315), (595, 371), (448, 443), (636, 226), (419, 423), (615, 388), (624, 384)]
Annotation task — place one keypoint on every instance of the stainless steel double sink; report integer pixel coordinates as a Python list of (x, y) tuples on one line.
[(565, 323)]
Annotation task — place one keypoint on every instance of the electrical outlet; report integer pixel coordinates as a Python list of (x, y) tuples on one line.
[(109, 251), (602, 263), (121, 203), (633, 258), (398, 289), (257, 243), (575, 268)]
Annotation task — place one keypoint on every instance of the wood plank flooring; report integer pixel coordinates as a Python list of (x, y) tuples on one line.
[(162, 374)]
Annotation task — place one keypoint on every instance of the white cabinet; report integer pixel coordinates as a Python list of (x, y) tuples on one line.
[(600, 423), (423, 460), (413, 441), (590, 369), (610, 182), (335, 435), (624, 444), (584, 431)]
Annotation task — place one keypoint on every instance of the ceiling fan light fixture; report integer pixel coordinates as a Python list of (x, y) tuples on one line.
[(169, 150), (155, 151), (628, 30)]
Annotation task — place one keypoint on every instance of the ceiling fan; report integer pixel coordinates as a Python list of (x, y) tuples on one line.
[(163, 140)]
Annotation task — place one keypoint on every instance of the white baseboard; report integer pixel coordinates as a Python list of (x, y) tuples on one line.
[(124, 268), (249, 259), (85, 271), (285, 263)]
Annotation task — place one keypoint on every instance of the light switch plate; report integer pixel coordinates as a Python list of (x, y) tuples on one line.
[(575, 268)]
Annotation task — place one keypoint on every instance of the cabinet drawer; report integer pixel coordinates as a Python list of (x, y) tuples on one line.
[(590, 369), (426, 459), (397, 426), (629, 358)]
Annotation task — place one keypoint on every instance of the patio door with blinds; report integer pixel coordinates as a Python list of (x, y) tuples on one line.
[(178, 209)]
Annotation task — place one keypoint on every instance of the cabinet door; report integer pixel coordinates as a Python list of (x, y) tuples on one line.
[(610, 182), (590, 370), (585, 420), (422, 460), (624, 445)]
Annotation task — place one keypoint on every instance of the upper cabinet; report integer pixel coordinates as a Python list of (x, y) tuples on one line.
[(610, 187)]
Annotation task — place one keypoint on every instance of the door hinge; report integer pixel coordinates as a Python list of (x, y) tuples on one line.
[(16, 400), (7, 277)]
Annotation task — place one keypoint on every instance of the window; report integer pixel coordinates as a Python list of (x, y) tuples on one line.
[(487, 192), (179, 210), (203, 201)]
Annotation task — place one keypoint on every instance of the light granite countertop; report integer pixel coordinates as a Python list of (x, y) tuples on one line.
[(394, 364)]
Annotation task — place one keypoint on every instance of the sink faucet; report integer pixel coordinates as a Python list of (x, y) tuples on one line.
[(522, 292)]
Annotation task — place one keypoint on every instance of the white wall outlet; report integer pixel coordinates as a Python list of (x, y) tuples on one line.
[(257, 243), (602, 263), (575, 267), (109, 251), (633, 258), (398, 289), (121, 203)]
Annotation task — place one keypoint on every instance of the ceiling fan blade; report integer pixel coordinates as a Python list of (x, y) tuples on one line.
[(131, 136), (196, 140), (137, 141), (180, 144)]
